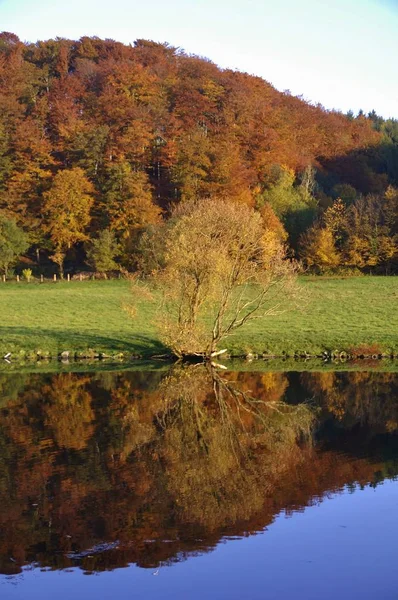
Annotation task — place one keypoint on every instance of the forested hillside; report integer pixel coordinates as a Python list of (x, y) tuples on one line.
[(99, 139)]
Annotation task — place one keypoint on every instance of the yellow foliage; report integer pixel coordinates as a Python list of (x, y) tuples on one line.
[(318, 248), (67, 208)]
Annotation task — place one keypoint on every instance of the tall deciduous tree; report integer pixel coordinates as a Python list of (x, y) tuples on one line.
[(102, 252), (373, 238), (13, 242), (128, 200), (67, 208), (318, 249), (294, 205)]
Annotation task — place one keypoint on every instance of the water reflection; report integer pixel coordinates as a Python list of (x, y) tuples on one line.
[(103, 470)]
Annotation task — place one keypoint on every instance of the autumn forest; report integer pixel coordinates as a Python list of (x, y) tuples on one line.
[(99, 140)]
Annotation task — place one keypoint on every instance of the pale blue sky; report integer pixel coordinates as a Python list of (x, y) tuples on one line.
[(341, 53)]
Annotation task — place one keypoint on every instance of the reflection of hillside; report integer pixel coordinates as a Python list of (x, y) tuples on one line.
[(168, 465)]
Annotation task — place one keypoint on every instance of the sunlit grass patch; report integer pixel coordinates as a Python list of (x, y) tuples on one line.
[(336, 314)]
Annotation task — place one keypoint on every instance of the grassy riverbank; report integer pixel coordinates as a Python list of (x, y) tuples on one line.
[(75, 316)]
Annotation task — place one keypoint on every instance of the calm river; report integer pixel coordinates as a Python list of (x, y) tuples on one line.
[(195, 483)]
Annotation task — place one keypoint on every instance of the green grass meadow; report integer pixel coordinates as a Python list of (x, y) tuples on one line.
[(337, 314)]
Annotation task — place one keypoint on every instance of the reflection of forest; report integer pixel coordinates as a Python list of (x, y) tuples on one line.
[(163, 466)]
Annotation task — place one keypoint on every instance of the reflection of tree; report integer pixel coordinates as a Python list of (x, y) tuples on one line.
[(187, 456), (222, 447), (362, 397), (132, 411), (11, 386), (68, 411)]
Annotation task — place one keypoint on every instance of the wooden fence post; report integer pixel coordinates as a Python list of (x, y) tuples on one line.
[(4, 278), (55, 277), (17, 278), (41, 278), (68, 277)]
